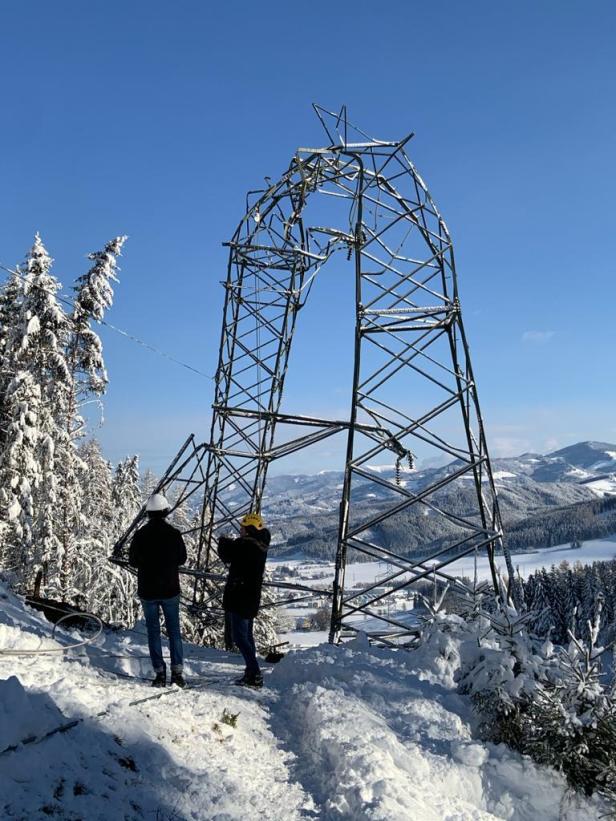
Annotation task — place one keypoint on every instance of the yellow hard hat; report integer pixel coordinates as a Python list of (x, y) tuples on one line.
[(252, 519)]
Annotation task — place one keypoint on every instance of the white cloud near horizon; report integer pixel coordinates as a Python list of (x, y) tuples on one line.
[(537, 336)]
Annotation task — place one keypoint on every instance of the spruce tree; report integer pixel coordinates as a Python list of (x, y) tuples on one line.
[(36, 342), (93, 295), (20, 476), (149, 483), (126, 495), (10, 297), (93, 538), (543, 619), (126, 500)]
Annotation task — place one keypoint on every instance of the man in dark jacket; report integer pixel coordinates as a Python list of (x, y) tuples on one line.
[(157, 550), (246, 558)]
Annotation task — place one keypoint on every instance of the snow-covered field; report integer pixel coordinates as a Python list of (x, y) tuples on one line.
[(337, 733), (596, 550), (322, 573)]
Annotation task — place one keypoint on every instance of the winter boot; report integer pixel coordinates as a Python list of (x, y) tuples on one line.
[(251, 680), (178, 678), (161, 679)]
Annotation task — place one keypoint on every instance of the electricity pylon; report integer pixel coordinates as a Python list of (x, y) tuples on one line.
[(412, 385)]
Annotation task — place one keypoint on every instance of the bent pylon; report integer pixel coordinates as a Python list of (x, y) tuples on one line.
[(413, 393)]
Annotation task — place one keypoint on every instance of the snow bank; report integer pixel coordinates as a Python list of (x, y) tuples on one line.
[(375, 739), (24, 715)]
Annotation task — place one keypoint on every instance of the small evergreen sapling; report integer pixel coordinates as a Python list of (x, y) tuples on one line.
[(545, 701), (573, 723)]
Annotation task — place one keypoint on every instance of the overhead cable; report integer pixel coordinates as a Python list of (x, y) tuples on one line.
[(120, 331)]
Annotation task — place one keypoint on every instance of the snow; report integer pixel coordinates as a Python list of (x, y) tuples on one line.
[(14, 510), (594, 550), (24, 715), (580, 473), (349, 732), (305, 638), (389, 468), (33, 326), (602, 486)]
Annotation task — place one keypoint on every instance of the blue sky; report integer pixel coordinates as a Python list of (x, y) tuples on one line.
[(153, 119)]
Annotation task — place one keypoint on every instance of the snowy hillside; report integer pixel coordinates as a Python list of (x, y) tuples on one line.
[(581, 464), (303, 509), (337, 733)]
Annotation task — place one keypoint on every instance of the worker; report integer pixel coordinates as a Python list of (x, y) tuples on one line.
[(246, 558), (157, 550)]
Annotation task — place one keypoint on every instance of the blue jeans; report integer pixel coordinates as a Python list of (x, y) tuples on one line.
[(242, 636), (171, 611)]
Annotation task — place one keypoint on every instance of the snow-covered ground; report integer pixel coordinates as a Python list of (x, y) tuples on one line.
[(337, 733), (595, 550), (321, 574)]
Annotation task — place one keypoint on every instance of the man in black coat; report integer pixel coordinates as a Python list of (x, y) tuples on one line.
[(246, 558), (157, 550)]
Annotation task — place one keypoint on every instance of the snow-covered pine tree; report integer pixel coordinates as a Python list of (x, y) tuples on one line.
[(126, 499), (125, 494), (502, 670), (547, 702), (93, 295), (20, 476), (92, 579), (149, 482), (10, 297), (104, 589), (572, 603), (543, 619), (609, 587), (589, 592), (572, 723), (37, 344), (557, 597)]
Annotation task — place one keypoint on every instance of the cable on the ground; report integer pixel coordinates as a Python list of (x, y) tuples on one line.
[(86, 643), (65, 647)]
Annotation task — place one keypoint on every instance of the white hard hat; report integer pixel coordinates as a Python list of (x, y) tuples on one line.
[(157, 503)]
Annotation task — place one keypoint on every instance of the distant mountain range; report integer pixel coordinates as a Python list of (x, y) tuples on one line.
[(303, 509)]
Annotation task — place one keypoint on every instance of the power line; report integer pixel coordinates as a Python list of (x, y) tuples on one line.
[(120, 331)]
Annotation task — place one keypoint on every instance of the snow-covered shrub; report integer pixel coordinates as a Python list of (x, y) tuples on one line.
[(503, 669), (545, 701), (572, 723)]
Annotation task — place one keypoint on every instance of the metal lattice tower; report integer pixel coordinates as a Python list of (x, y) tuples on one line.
[(412, 382)]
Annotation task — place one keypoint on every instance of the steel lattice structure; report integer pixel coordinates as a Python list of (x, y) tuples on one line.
[(412, 382)]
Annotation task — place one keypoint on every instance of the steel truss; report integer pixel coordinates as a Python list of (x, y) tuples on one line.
[(412, 384)]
